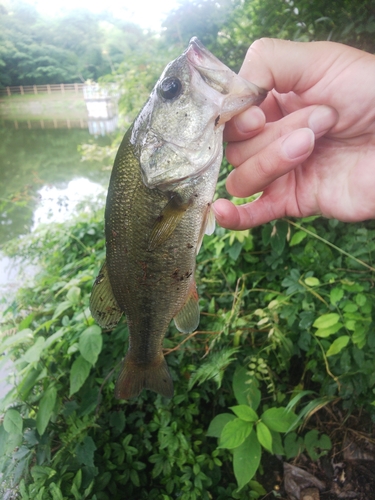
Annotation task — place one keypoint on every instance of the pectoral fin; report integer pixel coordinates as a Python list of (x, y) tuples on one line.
[(208, 226), (103, 305), (187, 319), (167, 222)]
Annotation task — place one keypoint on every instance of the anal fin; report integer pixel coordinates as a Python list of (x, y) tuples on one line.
[(187, 319), (167, 222), (137, 376), (103, 305)]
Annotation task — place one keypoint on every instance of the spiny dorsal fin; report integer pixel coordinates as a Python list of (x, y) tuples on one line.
[(187, 319), (103, 305), (167, 222)]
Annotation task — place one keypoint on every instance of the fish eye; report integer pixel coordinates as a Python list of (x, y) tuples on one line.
[(170, 88)]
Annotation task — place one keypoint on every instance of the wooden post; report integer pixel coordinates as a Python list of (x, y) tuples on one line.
[(8, 91), (21, 89), (35, 89), (62, 88), (48, 88)]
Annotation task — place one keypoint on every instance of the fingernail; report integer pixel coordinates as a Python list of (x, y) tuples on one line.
[(251, 119), (322, 119), (298, 143)]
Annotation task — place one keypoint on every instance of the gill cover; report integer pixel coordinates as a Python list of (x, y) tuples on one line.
[(178, 134)]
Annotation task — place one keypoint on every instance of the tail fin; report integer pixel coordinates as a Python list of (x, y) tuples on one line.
[(135, 376)]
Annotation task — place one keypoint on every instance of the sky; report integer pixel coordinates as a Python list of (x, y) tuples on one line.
[(148, 14)]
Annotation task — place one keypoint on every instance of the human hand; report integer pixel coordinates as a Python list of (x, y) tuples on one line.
[(316, 153)]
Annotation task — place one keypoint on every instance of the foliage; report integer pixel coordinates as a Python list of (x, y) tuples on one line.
[(268, 298), (76, 47), (342, 21)]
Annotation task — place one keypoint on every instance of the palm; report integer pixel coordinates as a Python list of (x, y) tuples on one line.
[(334, 181)]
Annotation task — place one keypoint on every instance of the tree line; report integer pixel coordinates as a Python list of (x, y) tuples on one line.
[(35, 49)]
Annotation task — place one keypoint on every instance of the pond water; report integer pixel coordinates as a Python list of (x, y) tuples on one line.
[(42, 178)]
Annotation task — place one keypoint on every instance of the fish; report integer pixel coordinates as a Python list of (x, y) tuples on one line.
[(158, 209)]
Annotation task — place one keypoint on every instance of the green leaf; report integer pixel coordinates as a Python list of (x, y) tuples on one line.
[(311, 281), (246, 460), (55, 492), (3, 441), (62, 307), (234, 433), (54, 337), (264, 436), (255, 486), (277, 445), (32, 355), (336, 295), (297, 238), (293, 445), (278, 236), (13, 422), (41, 473), (326, 332), (77, 481), (245, 388), (90, 343), (338, 345), (360, 299), (20, 337), (117, 421), (218, 423), (73, 294), (78, 374), (326, 320), (85, 451), (279, 419), (317, 446), (244, 412), (46, 406)]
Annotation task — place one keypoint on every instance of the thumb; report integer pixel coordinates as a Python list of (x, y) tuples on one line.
[(292, 66)]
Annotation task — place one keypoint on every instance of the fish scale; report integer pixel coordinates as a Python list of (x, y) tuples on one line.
[(158, 209)]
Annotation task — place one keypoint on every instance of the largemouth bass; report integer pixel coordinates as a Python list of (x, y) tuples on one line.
[(158, 210)]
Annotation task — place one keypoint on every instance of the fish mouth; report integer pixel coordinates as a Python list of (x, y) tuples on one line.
[(219, 77)]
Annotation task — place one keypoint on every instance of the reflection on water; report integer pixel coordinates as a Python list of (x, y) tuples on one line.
[(96, 109), (32, 159), (95, 126), (58, 205)]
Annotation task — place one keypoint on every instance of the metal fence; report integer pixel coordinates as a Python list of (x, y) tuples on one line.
[(60, 88)]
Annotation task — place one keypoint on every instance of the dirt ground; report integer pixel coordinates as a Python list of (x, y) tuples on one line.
[(346, 472)]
